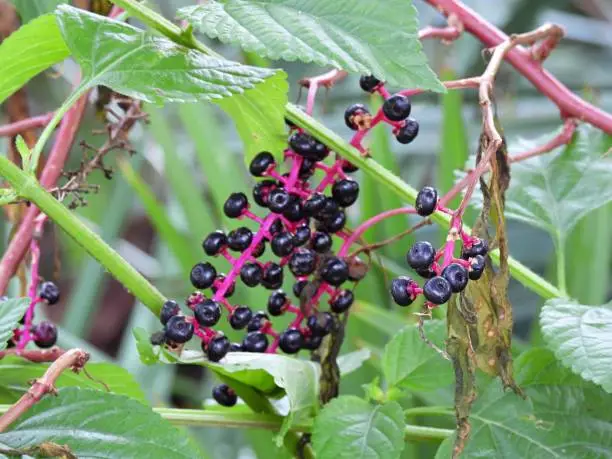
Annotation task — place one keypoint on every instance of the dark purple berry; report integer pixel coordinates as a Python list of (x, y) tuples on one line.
[(335, 271), (261, 163), (401, 291), (345, 192), (298, 287), (408, 132), (272, 276), (235, 205), (178, 330), (397, 107), (307, 168), (240, 239), (217, 348), (169, 309), (457, 276), (241, 317), (214, 243), (235, 347), (369, 83), (333, 224), (255, 341), (342, 301), (312, 342), (294, 212), (329, 209), (208, 313), (301, 235), (315, 204), (303, 144), (259, 249), (302, 262), (426, 273), (278, 200), (276, 226), (478, 247), (261, 190), (421, 255), (277, 303), (357, 117), (258, 320), (251, 274), (426, 201), (321, 242), (319, 151), (203, 275), (320, 324), (49, 292), (477, 266), (45, 335), (219, 280), (348, 167), (437, 290), (224, 395), (291, 341)]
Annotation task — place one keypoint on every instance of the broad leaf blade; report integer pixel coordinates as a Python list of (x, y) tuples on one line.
[(11, 311), (148, 67), (33, 48), (349, 427), (29, 9), (581, 337), (95, 424), (363, 36)]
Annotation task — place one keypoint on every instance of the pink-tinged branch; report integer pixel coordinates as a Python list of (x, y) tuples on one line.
[(312, 83), (520, 58), (35, 355), (447, 34), (563, 138), (35, 122)]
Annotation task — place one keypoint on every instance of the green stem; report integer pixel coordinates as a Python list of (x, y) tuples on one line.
[(27, 187), (57, 117), (561, 275), (412, 432), (429, 411)]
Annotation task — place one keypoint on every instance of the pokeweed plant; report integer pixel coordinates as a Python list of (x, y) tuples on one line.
[(559, 406)]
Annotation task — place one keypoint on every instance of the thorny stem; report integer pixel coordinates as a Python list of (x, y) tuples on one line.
[(11, 130), (74, 359)]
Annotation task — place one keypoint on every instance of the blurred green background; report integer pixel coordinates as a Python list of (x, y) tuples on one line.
[(158, 208)]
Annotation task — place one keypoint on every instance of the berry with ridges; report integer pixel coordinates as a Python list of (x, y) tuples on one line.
[(335, 271), (457, 276), (345, 192), (426, 201), (207, 313), (169, 309), (45, 335), (421, 255), (302, 262), (255, 341), (369, 83), (321, 242), (258, 321), (261, 163), (224, 395), (401, 291), (278, 200), (477, 266), (214, 243), (49, 292), (217, 348), (178, 330), (437, 290), (203, 275), (277, 302), (408, 132), (320, 324), (251, 274), (397, 107), (235, 205), (301, 235), (272, 276), (262, 190), (342, 301), (356, 116), (241, 317), (240, 239), (291, 341), (478, 247)]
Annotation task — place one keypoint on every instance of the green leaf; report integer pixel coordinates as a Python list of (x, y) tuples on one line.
[(145, 349), (259, 115), (30, 9), (33, 48), (581, 337), (16, 373), (410, 363), (148, 67), (11, 311), (353, 361), (355, 35), (349, 427), (562, 417), (24, 152), (99, 425)]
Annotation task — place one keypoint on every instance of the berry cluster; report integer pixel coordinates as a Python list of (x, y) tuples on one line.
[(444, 274)]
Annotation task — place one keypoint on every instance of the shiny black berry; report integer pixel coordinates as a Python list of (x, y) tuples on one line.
[(342, 301), (277, 303), (272, 276), (319, 151), (207, 313), (457, 276), (312, 342), (261, 163), (255, 341), (426, 273), (214, 242), (426, 201), (477, 266), (235, 205), (45, 335), (369, 83), (169, 309), (307, 168), (437, 290), (408, 132), (401, 291), (294, 211), (334, 223), (278, 200), (397, 107), (203, 275), (241, 317), (217, 348), (302, 262), (301, 235), (345, 192), (235, 347), (355, 115), (298, 287), (320, 324), (258, 320), (335, 271), (178, 330), (348, 167), (479, 247), (303, 144), (291, 341), (330, 208), (49, 292), (314, 204), (224, 395), (219, 280), (239, 239), (321, 242), (259, 249), (251, 274), (421, 255), (276, 226), (261, 190)]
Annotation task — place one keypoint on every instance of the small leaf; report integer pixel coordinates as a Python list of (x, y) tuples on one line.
[(353, 361), (349, 427), (144, 346), (11, 312), (410, 363), (259, 115), (362, 36), (33, 48), (148, 67), (100, 425), (24, 152), (581, 337), (7, 195), (29, 9)]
